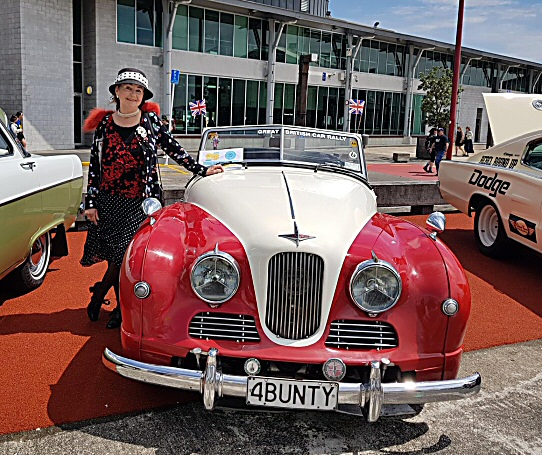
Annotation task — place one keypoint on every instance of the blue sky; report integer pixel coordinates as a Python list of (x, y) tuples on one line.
[(507, 27)]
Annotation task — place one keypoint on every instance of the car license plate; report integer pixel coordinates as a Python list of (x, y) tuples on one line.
[(289, 393)]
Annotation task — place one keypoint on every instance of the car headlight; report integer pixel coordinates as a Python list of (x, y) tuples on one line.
[(375, 286), (215, 277)]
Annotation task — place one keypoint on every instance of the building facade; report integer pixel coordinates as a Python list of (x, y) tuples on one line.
[(242, 57)]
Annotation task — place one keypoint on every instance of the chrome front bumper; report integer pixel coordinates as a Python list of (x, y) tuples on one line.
[(213, 384)]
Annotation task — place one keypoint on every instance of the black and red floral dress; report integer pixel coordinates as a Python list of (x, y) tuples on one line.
[(122, 173)]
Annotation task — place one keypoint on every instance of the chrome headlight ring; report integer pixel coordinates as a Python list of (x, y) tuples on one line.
[(375, 286), (215, 277)]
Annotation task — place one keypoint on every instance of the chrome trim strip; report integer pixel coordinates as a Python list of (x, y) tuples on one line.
[(213, 384)]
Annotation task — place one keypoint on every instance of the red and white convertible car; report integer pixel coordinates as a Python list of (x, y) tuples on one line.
[(502, 185), (279, 283)]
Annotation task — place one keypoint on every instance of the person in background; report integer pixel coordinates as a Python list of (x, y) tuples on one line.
[(469, 137), (440, 144), (459, 142), (122, 173), (165, 121), (16, 129), (429, 140)]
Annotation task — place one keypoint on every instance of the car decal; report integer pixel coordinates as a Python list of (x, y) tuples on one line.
[(489, 182), (499, 161), (523, 227)]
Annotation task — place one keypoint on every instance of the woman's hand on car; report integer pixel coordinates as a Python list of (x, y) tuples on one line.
[(214, 169)]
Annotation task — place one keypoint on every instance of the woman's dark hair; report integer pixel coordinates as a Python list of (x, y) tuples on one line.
[(13, 118)]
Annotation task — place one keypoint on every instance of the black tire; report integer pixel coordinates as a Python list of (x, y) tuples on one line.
[(489, 233), (31, 274)]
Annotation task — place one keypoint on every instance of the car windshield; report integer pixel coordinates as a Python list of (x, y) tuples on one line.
[(267, 144)]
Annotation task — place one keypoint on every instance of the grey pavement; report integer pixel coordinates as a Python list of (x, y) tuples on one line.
[(505, 418)]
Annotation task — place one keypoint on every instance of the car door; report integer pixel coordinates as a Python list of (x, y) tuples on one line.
[(530, 227), (20, 203)]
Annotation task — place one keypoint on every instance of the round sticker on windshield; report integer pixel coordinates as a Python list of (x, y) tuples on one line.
[(537, 104), (230, 155), (353, 143), (353, 155)]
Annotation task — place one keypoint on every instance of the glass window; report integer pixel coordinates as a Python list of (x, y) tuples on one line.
[(252, 103), (180, 114), (195, 29), (145, 22), (400, 60), (194, 124), (387, 113), (390, 60), (304, 40), (312, 97), (314, 45), (340, 109), (369, 112), (158, 23), (362, 59), (325, 50), (382, 58), (180, 29), (336, 50), (373, 56), (332, 100), (292, 45), (211, 32), (321, 107), (240, 36), (281, 48), (265, 40), (254, 38), (126, 21), (379, 108), (224, 102), (262, 116), (238, 103), (279, 102), (210, 95), (78, 77), (289, 104), (226, 34)]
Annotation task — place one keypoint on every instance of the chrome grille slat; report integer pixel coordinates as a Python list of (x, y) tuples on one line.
[(362, 335), (223, 326), (294, 295)]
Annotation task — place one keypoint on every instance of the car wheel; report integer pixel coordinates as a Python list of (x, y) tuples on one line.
[(32, 272), (489, 231)]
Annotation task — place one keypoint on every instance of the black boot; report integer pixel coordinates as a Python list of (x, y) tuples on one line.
[(115, 319), (97, 300)]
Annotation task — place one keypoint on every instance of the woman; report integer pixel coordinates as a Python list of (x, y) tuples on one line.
[(459, 141), (469, 147), (122, 173)]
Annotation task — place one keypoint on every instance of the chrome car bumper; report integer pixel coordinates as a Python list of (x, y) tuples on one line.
[(213, 384)]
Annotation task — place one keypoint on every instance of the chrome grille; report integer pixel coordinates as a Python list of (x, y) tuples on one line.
[(294, 295), (223, 326), (362, 335)]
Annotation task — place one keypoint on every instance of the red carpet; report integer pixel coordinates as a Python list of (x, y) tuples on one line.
[(407, 170), (51, 353)]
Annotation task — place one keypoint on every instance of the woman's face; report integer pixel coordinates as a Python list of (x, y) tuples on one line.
[(130, 96)]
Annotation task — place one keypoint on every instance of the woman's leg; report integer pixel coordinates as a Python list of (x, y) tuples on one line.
[(100, 290)]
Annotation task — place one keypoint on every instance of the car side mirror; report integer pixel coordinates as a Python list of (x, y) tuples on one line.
[(435, 224)]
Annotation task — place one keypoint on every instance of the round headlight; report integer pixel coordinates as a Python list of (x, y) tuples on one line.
[(215, 277), (375, 286)]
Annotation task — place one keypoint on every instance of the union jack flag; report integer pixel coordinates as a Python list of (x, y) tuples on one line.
[(356, 106), (198, 108)]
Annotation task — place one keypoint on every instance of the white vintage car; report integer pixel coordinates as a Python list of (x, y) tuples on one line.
[(502, 185), (39, 199)]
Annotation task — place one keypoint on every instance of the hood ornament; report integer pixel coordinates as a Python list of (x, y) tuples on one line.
[(296, 237)]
